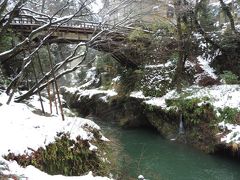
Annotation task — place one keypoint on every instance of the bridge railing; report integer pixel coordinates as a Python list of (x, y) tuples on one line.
[(74, 23), (22, 21)]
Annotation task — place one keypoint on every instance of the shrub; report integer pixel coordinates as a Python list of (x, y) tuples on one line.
[(228, 114), (163, 27), (129, 81), (6, 42), (64, 156), (137, 34), (229, 77), (3, 79), (192, 110)]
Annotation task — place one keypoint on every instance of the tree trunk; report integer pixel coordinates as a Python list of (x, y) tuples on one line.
[(55, 82), (227, 11), (180, 63), (43, 6)]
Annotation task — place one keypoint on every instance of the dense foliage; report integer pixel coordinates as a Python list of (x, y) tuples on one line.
[(65, 156)]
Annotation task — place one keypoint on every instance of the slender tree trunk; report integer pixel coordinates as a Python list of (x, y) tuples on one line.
[(39, 93), (49, 97), (54, 97), (200, 29), (48, 87), (180, 64), (16, 84), (55, 82), (43, 6)]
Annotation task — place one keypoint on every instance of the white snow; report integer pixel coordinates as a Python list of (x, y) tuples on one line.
[(160, 101), (22, 131), (92, 92), (116, 79), (140, 177), (154, 101), (233, 136), (207, 70), (220, 96), (90, 79), (25, 130), (96, 6), (32, 173), (169, 63), (137, 94)]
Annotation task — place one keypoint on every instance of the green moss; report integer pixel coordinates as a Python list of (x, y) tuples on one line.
[(193, 110), (229, 115), (137, 34), (166, 28), (66, 156), (229, 77)]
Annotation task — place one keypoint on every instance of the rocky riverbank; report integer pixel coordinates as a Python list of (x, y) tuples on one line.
[(200, 114)]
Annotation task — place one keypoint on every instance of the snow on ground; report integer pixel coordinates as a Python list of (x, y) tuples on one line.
[(32, 173), (168, 64), (233, 136), (92, 92), (21, 130), (138, 95), (220, 96), (154, 101)]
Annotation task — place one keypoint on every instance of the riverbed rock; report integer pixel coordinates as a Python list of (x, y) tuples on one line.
[(131, 112), (127, 111)]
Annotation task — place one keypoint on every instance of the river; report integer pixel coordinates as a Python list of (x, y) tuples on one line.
[(146, 152)]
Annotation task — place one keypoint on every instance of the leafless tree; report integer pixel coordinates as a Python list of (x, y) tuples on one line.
[(46, 21)]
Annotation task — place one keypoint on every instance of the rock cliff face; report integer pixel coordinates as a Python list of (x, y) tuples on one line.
[(128, 111), (132, 112)]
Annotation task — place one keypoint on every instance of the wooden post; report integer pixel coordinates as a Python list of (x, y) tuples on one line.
[(49, 97), (48, 87), (54, 98), (55, 82), (39, 93), (15, 86)]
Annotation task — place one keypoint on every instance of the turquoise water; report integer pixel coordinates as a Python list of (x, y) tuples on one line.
[(146, 152)]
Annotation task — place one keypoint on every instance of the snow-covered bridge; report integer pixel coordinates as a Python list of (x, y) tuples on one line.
[(74, 31), (70, 31)]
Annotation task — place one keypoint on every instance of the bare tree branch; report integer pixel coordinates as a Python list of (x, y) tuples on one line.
[(44, 81), (52, 21), (7, 19)]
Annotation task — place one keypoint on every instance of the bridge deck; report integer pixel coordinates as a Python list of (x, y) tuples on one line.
[(72, 31)]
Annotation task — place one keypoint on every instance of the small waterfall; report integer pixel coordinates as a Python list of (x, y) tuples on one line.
[(181, 127)]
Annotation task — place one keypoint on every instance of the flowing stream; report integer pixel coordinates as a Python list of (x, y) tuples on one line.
[(146, 152)]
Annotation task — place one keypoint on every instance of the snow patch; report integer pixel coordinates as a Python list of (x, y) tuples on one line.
[(160, 101), (92, 92), (22, 131), (233, 136), (137, 94), (207, 70)]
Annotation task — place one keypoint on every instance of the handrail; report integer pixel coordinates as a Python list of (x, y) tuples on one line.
[(74, 23)]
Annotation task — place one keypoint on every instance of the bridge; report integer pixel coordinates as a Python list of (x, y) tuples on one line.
[(72, 31), (75, 31)]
